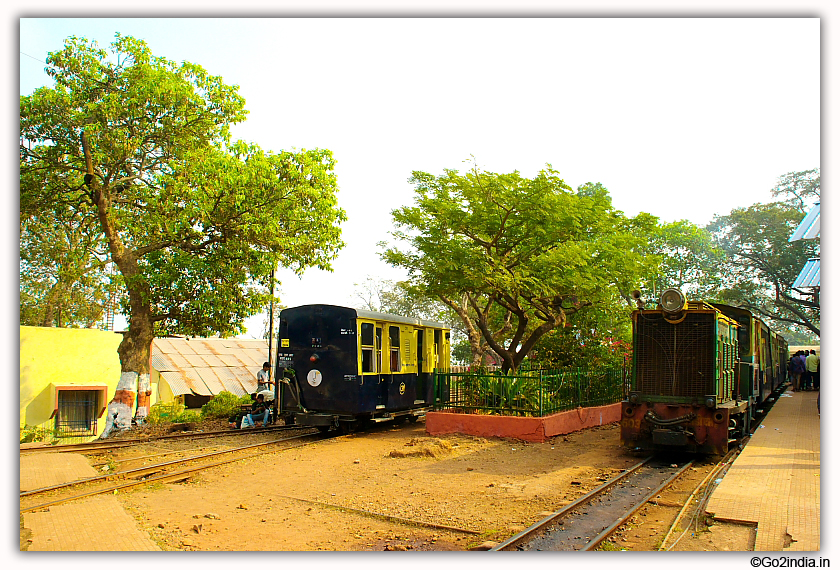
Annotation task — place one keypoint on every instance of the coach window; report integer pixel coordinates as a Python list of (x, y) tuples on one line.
[(368, 348), (394, 338)]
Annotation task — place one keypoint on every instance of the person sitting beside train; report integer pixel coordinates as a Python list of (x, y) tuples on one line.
[(259, 413)]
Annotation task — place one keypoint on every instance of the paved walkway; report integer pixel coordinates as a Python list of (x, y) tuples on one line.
[(775, 482), (95, 523), (39, 470)]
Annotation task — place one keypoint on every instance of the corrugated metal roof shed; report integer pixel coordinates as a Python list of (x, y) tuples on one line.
[(213, 361), (176, 383), (161, 362), (229, 379), (808, 228), (211, 380), (195, 382), (810, 274), (163, 345), (208, 366), (195, 360), (231, 360)]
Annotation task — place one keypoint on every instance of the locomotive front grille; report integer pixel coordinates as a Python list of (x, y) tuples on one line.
[(675, 359)]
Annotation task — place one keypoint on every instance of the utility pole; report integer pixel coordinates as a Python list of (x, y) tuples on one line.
[(271, 325)]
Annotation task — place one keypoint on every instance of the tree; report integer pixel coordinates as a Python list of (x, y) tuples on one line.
[(398, 298), (193, 221), (762, 264), (799, 189), (597, 338), (688, 260), (495, 247), (63, 278)]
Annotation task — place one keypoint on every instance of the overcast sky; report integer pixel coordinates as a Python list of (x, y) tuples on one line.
[(682, 118)]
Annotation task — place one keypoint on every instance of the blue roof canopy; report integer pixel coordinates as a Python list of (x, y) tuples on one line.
[(809, 228), (810, 274)]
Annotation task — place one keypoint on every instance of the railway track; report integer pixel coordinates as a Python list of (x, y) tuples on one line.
[(92, 446), (153, 473), (586, 522)]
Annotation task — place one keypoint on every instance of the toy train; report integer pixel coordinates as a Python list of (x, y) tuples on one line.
[(341, 367), (700, 373)]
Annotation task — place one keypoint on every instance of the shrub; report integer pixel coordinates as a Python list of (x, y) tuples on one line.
[(164, 413), (29, 434), (188, 416), (223, 405)]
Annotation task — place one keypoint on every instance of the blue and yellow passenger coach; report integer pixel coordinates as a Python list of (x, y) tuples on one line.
[(344, 367)]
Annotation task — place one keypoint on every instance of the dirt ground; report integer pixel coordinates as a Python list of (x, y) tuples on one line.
[(396, 488)]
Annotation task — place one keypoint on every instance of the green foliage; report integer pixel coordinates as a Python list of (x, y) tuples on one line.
[(762, 264), (193, 221), (461, 353), (534, 392), (188, 416), (29, 434), (223, 405), (689, 261), (516, 256), (162, 413), (63, 281), (799, 189)]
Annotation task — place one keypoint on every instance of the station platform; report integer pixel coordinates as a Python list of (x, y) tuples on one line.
[(775, 481)]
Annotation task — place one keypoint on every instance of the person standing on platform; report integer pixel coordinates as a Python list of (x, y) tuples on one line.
[(803, 381), (812, 365), (796, 368)]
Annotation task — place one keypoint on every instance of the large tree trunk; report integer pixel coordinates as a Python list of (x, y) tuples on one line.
[(135, 351), (474, 336), (135, 348)]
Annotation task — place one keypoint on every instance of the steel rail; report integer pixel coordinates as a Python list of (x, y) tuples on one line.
[(592, 544), (727, 460), (157, 467), (96, 445), (139, 457), (176, 475), (687, 503), (535, 528)]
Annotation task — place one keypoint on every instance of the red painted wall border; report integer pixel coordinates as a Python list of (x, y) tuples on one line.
[(526, 429)]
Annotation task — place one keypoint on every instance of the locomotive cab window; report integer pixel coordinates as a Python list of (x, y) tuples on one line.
[(394, 338)]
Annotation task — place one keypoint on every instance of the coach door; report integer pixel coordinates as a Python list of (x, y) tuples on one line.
[(422, 377), (370, 365)]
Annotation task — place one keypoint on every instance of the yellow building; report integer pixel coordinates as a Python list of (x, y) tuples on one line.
[(67, 377)]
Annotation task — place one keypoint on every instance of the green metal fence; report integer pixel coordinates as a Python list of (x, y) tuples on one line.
[(533, 393)]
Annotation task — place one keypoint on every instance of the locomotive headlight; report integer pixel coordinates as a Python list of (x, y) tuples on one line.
[(634, 398), (710, 403), (672, 300)]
